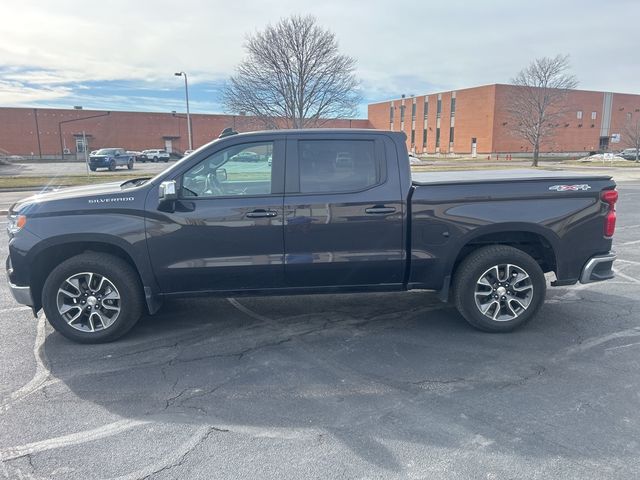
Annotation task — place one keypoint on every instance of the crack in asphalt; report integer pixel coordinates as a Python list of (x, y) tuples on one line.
[(182, 459)]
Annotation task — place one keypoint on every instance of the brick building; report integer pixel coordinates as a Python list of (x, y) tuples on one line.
[(475, 120), (45, 132)]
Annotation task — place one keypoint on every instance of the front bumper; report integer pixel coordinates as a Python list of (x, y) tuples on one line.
[(99, 162), (20, 293), (598, 268)]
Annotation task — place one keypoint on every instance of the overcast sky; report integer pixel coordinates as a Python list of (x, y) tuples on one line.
[(121, 55)]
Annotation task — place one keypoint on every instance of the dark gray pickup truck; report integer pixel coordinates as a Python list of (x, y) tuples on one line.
[(307, 211)]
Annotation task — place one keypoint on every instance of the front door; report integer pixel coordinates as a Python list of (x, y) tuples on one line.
[(224, 233), (343, 213), (168, 145)]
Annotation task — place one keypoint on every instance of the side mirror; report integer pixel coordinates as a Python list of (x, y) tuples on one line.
[(117, 154), (167, 191), (221, 174)]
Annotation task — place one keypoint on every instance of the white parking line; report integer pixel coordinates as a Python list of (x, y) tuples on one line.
[(623, 275), (622, 346), (594, 342), (41, 375), (68, 440), (620, 260), (634, 242), (15, 309)]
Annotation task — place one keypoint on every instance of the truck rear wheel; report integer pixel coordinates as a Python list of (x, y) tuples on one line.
[(498, 288), (93, 298)]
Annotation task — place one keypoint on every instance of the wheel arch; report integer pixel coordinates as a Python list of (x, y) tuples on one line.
[(47, 255), (538, 242)]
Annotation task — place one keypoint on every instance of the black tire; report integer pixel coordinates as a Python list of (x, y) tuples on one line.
[(118, 272), (93, 169), (143, 160), (130, 165), (166, 160), (155, 159), (472, 269), (112, 165)]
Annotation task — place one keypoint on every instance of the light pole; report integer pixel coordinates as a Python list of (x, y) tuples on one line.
[(186, 94)]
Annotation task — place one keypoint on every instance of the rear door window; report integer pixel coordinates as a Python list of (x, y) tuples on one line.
[(338, 165)]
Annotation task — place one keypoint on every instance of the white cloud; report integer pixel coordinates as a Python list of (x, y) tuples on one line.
[(16, 94), (406, 46)]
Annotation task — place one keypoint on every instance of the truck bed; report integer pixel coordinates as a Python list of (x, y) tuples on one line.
[(483, 176)]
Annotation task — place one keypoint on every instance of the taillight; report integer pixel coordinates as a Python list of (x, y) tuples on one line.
[(610, 197)]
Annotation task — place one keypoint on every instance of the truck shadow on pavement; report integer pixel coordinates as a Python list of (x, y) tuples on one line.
[(369, 370)]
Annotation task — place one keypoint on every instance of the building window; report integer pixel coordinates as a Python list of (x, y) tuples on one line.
[(424, 137), (402, 107), (453, 106), (451, 134), (594, 115), (391, 114), (438, 137), (439, 107), (413, 136), (413, 111), (628, 116), (579, 115), (426, 108)]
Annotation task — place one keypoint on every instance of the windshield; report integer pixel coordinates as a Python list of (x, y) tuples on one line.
[(106, 151)]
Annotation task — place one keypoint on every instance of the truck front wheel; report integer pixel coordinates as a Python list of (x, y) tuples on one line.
[(93, 298), (498, 288)]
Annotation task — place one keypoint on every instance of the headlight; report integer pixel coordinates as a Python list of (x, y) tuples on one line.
[(15, 224)]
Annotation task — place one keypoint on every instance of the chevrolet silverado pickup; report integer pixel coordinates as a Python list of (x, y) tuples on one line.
[(315, 211)]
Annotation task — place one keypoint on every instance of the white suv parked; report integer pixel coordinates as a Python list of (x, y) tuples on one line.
[(154, 155)]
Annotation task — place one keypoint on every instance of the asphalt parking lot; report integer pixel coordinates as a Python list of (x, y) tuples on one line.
[(341, 386)]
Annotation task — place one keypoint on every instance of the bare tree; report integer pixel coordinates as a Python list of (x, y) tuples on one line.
[(293, 76), (537, 102), (631, 136)]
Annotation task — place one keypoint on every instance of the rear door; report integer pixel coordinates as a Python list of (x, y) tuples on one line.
[(343, 211)]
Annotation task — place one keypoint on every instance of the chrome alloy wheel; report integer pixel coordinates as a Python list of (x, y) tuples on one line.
[(88, 302), (503, 292)]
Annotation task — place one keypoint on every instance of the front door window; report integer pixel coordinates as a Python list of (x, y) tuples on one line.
[(238, 170)]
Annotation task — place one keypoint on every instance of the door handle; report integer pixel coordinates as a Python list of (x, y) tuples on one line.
[(262, 214), (380, 210)]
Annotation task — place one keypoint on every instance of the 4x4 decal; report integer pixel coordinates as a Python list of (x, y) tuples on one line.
[(570, 188)]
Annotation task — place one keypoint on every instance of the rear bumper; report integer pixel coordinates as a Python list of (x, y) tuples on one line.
[(598, 268)]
